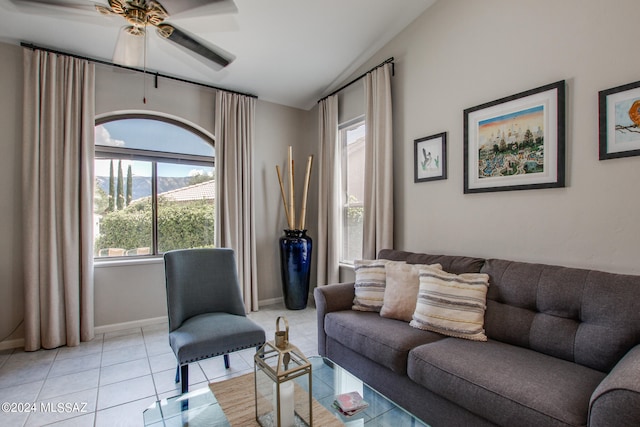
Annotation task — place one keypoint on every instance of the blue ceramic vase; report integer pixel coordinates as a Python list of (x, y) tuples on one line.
[(295, 268)]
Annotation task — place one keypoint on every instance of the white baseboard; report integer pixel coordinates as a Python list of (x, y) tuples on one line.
[(17, 343), (114, 327), (280, 300), (9, 344), (270, 301)]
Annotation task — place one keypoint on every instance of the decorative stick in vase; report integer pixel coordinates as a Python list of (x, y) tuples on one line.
[(307, 178), (292, 204), (284, 198)]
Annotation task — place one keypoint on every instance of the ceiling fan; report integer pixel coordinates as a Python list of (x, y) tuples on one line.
[(142, 14)]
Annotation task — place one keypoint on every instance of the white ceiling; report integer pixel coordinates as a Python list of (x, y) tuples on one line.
[(291, 52)]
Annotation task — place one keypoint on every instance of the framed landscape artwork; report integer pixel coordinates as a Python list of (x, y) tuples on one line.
[(430, 158), (620, 121), (517, 142)]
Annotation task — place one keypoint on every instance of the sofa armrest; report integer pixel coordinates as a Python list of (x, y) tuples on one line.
[(616, 401), (336, 297)]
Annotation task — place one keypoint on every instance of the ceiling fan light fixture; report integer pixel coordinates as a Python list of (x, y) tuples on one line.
[(139, 13), (102, 10), (135, 31), (136, 17), (117, 6), (164, 30), (157, 12)]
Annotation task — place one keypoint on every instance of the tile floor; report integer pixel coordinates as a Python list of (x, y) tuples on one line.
[(112, 379)]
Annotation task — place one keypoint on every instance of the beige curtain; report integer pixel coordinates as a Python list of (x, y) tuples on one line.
[(378, 192), (329, 189), (57, 191), (235, 211)]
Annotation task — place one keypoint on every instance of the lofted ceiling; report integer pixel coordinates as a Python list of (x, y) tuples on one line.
[(291, 52)]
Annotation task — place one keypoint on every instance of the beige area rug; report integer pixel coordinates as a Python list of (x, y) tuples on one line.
[(236, 397)]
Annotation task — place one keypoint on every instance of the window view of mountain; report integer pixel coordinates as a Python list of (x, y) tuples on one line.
[(142, 184)]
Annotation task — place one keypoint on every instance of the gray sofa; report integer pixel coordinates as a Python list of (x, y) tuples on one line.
[(563, 348)]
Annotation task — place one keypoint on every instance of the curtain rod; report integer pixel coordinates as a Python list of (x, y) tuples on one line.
[(154, 73), (388, 61)]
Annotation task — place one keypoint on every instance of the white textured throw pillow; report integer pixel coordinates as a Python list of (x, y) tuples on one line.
[(452, 304), (370, 284), (401, 290)]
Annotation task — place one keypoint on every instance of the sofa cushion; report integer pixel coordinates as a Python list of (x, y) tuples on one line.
[(452, 304), (584, 316), (369, 285), (401, 290), (505, 384), (385, 341), (451, 263)]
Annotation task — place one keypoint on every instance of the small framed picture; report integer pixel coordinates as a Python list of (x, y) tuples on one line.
[(517, 142), (430, 158), (619, 110)]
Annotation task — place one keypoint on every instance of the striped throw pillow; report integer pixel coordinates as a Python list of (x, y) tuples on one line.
[(452, 304), (370, 283)]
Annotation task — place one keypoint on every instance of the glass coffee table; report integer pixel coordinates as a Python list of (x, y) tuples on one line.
[(200, 407)]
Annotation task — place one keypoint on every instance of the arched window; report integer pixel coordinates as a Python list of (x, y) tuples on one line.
[(154, 187)]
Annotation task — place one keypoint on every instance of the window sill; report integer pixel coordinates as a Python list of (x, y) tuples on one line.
[(124, 262)]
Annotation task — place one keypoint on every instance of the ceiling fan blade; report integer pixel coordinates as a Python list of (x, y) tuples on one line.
[(209, 7), (60, 5), (200, 48), (129, 49)]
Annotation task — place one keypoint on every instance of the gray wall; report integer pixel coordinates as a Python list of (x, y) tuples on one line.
[(463, 53), (277, 128)]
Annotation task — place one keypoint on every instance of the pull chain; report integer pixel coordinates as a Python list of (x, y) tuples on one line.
[(144, 74)]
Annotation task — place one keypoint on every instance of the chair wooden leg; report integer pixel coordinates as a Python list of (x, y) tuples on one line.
[(226, 361), (184, 378)]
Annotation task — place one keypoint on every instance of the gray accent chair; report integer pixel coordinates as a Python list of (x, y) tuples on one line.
[(206, 314)]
